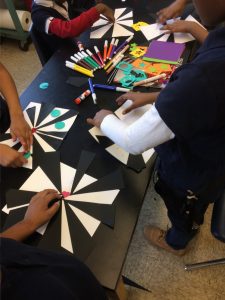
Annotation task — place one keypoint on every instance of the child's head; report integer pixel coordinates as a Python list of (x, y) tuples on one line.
[(211, 12)]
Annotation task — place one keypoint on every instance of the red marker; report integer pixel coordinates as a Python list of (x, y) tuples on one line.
[(82, 97), (105, 50), (94, 58), (110, 47), (99, 55)]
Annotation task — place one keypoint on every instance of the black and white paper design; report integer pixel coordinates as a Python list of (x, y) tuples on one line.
[(87, 202), (122, 26), (49, 126)]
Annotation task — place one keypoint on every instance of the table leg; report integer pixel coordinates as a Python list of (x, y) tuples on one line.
[(120, 292)]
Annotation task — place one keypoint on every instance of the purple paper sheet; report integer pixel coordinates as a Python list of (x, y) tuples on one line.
[(168, 51)]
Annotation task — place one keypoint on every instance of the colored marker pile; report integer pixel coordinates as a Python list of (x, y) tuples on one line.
[(87, 63)]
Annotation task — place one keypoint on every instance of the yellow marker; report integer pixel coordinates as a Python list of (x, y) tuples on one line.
[(80, 69)]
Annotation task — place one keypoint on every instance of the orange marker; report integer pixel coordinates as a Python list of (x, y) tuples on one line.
[(105, 50), (110, 47)]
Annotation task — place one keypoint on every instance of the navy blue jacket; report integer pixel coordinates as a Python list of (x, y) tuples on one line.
[(193, 107)]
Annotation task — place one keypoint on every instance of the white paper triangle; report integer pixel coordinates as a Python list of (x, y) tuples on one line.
[(85, 180), (98, 33), (100, 22), (147, 154), (45, 146), (38, 181), (118, 153), (118, 12), (164, 38), (127, 16), (125, 22), (103, 197), (67, 177), (90, 224), (119, 30), (65, 232)]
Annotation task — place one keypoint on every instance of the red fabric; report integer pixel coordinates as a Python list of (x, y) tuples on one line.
[(74, 27), (28, 4)]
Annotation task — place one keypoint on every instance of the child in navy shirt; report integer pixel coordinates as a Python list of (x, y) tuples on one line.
[(186, 126), (54, 23)]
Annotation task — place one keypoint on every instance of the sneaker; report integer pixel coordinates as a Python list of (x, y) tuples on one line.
[(156, 237)]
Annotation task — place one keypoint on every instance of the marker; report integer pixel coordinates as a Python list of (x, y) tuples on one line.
[(142, 82), (115, 63), (110, 87), (116, 56), (80, 46), (79, 62), (77, 68), (105, 50), (99, 55), (90, 60), (87, 60), (94, 57), (83, 96), (84, 60), (113, 48), (124, 44), (110, 47), (53, 201), (94, 97)]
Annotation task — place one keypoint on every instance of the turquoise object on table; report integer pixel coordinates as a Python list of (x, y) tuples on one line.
[(44, 85)]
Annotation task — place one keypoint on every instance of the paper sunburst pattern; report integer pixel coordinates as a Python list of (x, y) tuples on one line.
[(122, 26), (49, 125), (87, 202)]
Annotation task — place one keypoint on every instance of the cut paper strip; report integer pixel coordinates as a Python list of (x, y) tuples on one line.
[(147, 155), (136, 162), (79, 214), (50, 126), (121, 27)]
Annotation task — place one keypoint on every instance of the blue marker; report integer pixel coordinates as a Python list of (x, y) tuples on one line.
[(111, 87), (94, 97)]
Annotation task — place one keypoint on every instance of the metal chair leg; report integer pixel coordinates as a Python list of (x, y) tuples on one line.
[(204, 264)]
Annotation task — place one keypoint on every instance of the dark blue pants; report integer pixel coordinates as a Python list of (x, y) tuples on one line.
[(184, 214)]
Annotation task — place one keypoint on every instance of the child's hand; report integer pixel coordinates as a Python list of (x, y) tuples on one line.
[(19, 129), (39, 212), (138, 100), (106, 11), (10, 157), (99, 117), (179, 26), (172, 11)]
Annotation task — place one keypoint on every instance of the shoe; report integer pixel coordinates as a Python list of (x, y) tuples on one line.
[(156, 236)]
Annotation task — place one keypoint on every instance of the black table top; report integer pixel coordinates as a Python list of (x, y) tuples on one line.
[(111, 245)]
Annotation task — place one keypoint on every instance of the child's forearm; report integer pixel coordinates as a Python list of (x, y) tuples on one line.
[(19, 231), (198, 32), (74, 27)]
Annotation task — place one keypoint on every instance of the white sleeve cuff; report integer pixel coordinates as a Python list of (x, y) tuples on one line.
[(47, 24)]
